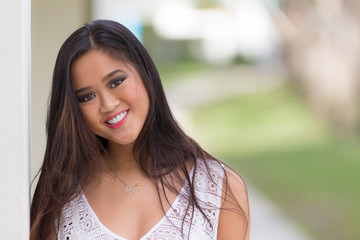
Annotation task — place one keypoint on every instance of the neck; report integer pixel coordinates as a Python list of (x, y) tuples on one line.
[(122, 159)]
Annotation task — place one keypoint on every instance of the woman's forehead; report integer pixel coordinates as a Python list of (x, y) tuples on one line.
[(96, 60)]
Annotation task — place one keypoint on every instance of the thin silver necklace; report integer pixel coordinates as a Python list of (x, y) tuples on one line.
[(129, 189)]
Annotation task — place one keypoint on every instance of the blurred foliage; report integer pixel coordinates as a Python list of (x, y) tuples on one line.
[(169, 72), (321, 45), (273, 140), (172, 57), (176, 57), (206, 3), (242, 60), (166, 51)]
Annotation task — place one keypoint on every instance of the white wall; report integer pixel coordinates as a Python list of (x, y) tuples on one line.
[(51, 23), (14, 121)]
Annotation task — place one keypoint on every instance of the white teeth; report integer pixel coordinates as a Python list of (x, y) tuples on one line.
[(117, 118)]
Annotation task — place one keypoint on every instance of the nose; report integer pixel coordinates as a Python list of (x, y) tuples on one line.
[(108, 102)]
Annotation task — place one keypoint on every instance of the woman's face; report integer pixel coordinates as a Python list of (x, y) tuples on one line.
[(111, 96)]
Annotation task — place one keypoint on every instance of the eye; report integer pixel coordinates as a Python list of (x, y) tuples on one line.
[(116, 82), (86, 98)]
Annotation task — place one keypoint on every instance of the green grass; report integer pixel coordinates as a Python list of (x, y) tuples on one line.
[(274, 141), (171, 71)]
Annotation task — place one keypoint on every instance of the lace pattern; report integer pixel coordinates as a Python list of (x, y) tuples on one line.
[(78, 221)]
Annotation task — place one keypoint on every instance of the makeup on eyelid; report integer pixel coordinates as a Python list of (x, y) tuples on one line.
[(116, 82)]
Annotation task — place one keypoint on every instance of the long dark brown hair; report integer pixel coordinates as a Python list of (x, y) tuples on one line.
[(72, 149)]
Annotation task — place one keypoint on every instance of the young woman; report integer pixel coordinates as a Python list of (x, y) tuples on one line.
[(117, 165)]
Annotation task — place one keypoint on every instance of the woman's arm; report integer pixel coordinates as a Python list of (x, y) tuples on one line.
[(234, 219)]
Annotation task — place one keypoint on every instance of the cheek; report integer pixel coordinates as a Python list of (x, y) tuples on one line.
[(146, 103), (143, 103), (142, 98), (136, 96), (89, 115)]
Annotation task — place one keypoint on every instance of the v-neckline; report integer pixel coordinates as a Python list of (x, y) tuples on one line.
[(152, 229)]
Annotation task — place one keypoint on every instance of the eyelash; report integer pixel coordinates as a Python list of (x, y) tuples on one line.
[(116, 82), (86, 98), (112, 85)]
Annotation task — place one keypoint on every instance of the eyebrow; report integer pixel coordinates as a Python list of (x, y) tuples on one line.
[(111, 74), (102, 80)]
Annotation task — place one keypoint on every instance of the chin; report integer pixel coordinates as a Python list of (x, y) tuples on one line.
[(124, 142)]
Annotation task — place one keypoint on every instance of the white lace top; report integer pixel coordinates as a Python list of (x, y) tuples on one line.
[(78, 220)]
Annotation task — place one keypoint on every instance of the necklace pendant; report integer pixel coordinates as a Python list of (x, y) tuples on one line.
[(129, 190)]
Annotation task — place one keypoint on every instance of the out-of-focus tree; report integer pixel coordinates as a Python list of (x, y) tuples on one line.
[(321, 40)]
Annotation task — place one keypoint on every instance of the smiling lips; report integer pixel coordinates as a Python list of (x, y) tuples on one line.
[(117, 120)]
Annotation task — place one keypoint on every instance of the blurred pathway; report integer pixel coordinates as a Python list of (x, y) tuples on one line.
[(268, 222)]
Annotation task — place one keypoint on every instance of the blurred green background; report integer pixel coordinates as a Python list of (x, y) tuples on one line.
[(275, 140), (298, 141)]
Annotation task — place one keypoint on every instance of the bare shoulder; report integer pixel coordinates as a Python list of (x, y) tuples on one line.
[(234, 220)]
